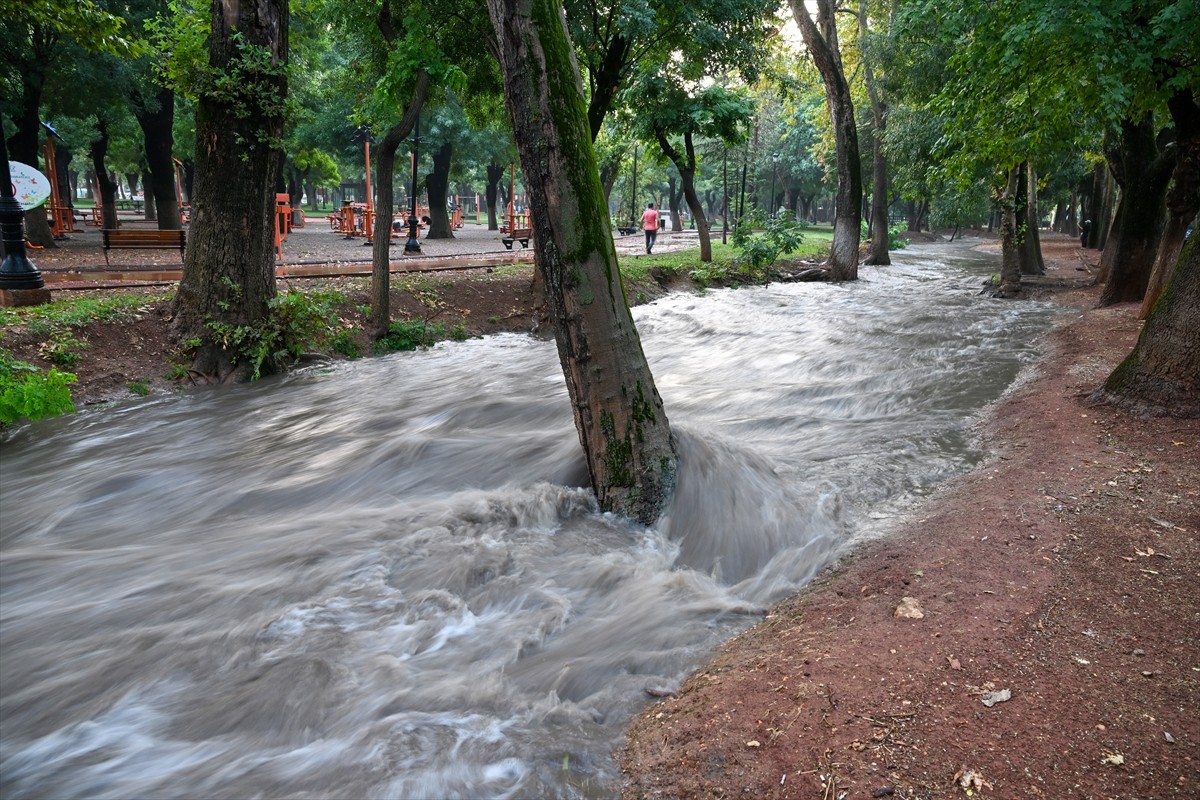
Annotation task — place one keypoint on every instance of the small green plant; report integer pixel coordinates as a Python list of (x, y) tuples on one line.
[(408, 335), (296, 323), (140, 388), (895, 241), (177, 372), (458, 333), (756, 252), (62, 348), (27, 392), (345, 344)]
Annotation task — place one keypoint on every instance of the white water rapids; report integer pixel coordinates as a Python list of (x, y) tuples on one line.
[(381, 579)]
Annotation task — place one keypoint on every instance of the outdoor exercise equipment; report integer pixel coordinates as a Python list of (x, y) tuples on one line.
[(62, 217)]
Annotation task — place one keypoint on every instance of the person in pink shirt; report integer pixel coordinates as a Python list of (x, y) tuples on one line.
[(650, 224)]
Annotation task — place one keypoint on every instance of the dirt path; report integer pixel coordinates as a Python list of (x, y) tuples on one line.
[(1062, 575)]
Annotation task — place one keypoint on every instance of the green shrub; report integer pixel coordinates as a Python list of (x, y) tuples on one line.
[(140, 388), (26, 392), (756, 252), (408, 335), (296, 323)]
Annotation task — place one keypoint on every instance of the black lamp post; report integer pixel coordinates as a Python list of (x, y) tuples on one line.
[(412, 245), (17, 271)]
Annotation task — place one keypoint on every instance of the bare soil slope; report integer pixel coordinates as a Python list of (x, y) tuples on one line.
[(1052, 648)]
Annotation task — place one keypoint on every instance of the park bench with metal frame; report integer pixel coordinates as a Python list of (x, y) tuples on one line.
[(142, 239)]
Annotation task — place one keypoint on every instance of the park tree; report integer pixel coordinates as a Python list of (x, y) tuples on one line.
[(241, 100), (677, 114), (618, 413), (37, 34), (821, 40), (614, 41), (873, 26), (1162, 374)]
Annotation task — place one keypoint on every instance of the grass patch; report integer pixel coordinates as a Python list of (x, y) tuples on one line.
[(75, 312)]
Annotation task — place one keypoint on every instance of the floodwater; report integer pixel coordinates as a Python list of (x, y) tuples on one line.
[(383, 579)]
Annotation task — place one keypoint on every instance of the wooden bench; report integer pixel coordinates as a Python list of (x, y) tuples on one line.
[(522, 235), (142, 239)]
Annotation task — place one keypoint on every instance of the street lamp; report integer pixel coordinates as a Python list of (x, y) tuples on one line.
[(412, 245), (17, 271)]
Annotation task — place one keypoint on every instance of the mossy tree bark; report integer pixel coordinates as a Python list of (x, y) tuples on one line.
[(1162, 374), (1010, 248), (618, 412), (229, 268)]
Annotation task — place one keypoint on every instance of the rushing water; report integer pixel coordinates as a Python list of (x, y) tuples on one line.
[(382, 579)]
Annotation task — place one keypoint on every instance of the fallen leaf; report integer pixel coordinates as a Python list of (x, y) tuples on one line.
[(991, 698), (954, 663), (1113, 759), (753, 743)]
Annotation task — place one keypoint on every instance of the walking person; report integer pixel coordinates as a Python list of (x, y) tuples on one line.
[(650, 224), (1084, 230)]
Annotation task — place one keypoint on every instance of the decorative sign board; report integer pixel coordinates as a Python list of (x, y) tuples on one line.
[(29, 185)]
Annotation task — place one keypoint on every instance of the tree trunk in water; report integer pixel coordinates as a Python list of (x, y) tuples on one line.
[(1183, 195), (157, 119), (618, 412), (229, 269), (1143, 174), (385, 207), (823, 47), (1162, 374), (437, 185), (1010, 260), (104, 181), (1027, 224)]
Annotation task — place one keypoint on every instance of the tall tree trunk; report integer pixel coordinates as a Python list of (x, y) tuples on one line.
[(437, 184), (151, 208), (878, 253), (385, 207), (685, 163), (156, 116), (495, 172), (1010, 260), (618, 412), (23, 144), (104, 180), (1162, 374), (229, 268), (1030, 239), (821, 39), (1143, 174), (1183, 195)]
